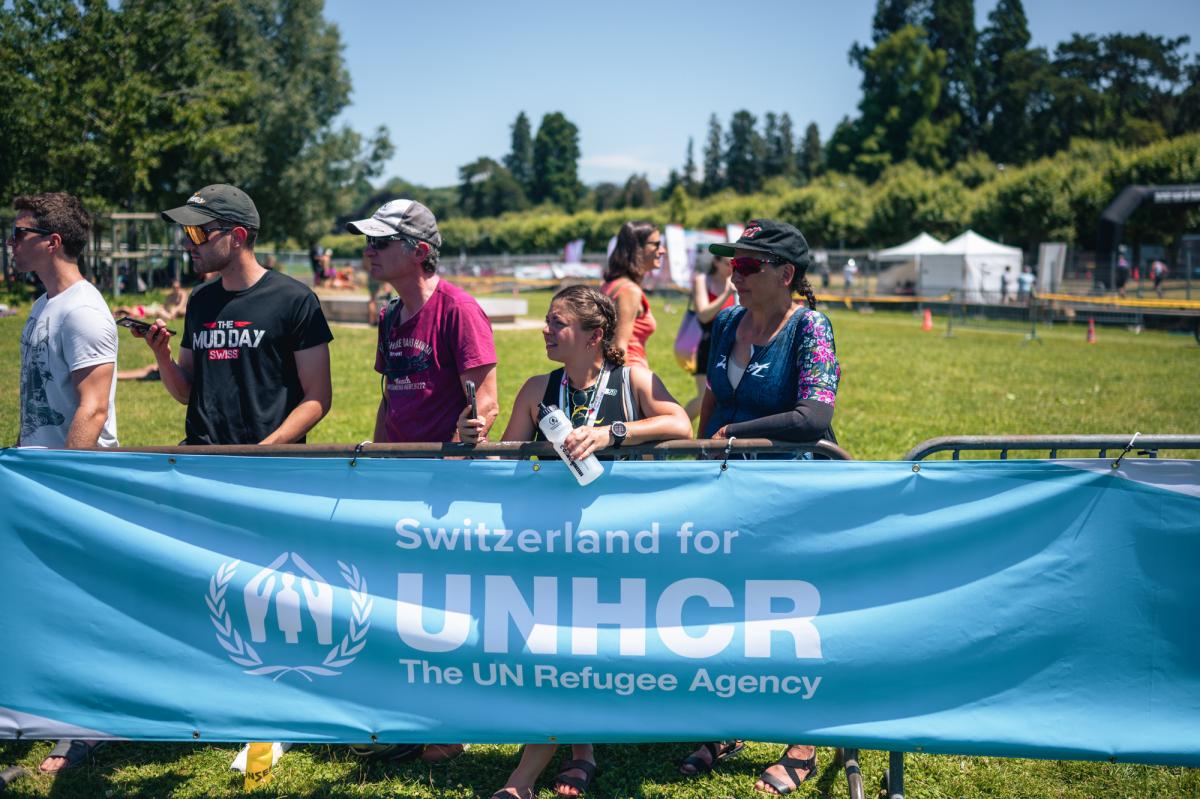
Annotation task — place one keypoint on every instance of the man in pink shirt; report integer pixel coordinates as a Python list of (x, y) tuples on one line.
[(432, 340)]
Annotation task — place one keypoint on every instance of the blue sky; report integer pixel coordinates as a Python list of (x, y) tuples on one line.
[(637, 78)]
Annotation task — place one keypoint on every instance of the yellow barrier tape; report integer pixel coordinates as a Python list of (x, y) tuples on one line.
[(849, 299), (258, 766), (1188, 305)]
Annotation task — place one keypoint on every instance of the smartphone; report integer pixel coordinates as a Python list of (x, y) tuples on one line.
[(138, 325), (471, 398)]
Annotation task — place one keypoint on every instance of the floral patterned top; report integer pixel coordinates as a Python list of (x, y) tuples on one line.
[(819, 368), (798, 364)]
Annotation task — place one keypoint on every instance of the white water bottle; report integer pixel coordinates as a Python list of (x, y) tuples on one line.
[(555, 426)]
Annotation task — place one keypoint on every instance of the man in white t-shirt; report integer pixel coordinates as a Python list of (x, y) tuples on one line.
[(69, 345)]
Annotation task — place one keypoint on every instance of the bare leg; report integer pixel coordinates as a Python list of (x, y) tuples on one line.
[(534, 758)]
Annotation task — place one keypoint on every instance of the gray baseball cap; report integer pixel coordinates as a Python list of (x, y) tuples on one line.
[(218, 201), (406, 217)]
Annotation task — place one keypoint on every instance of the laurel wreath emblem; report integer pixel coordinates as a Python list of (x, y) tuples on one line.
[(243, 654)]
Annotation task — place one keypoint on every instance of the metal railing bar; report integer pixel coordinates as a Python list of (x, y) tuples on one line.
[(714, 448), (1052, 444)]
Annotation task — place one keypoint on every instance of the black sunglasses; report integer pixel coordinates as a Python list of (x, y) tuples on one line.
[(18, 230), (382, 242)]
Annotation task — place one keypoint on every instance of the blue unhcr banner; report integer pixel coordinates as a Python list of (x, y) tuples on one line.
[(1021, 608)]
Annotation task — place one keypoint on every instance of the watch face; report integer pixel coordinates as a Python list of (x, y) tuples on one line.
[(618, 429)]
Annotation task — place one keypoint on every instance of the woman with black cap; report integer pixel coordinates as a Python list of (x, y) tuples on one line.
[(772, 373)]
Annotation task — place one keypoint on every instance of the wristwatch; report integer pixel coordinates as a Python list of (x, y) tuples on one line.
[(619, 431)]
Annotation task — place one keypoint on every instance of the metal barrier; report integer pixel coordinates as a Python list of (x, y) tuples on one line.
[(713, 449), (1148, 446)]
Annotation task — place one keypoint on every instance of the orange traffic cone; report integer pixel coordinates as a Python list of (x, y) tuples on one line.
[(1091, 339), (927, 322)]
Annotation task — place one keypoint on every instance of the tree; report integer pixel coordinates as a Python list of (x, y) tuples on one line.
[(1012, 77), (810, 161), (892, 15), (488, 189), (677, 206), (519, 160), (689, 172), (637, 193), (780, 154), (556, 162), (786, 147), (744, 153), (125, 106), (606, 197), (950, 26), (902, 87), (714, 177)]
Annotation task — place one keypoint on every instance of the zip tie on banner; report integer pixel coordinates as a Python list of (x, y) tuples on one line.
[(728, 449), (358, 451), (1117, 463)]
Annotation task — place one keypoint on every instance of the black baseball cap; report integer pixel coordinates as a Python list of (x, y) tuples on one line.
[(770, 238), (218, 201)]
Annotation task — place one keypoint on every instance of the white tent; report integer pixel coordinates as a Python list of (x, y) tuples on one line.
[(971, 267), (911, 250), (906, 257)]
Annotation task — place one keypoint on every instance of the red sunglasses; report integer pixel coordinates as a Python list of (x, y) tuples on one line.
[(749, 265)]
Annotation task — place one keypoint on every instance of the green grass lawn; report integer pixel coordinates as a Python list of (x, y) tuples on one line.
[(899, 386)]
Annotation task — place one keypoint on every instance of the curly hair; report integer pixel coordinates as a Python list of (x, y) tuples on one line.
[(593, 310), (59, 213)]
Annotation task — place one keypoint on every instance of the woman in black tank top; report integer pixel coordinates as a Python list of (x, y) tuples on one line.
[(599, 393)]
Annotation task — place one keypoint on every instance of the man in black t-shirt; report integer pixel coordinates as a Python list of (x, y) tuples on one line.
[(253, 364)]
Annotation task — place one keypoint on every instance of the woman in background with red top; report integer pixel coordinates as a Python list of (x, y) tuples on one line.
[(638, 252)]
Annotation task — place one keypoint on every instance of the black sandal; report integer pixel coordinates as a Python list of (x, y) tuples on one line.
[(791, 767), (580, 784), (717, 750)]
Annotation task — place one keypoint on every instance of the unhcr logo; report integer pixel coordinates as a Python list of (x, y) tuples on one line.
[(288, 608)]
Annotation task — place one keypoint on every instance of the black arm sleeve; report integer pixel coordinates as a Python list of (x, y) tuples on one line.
[(808, 421)]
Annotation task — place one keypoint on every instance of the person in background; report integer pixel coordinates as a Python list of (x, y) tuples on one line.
[(374, 289), (610, 404), (68, 356), (318, 260), (1158, 271), (638, 252), (712, 292), (772, 373), (1025, 284), (849, 274)]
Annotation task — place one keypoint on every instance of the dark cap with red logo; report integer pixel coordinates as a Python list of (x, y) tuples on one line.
[(219, 201), (771, 238)]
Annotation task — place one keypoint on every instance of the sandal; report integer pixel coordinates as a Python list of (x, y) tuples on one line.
[(73, 751), (791, 767), (580, 784), (717, 751)]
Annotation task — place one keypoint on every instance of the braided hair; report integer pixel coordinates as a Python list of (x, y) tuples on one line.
[(800, 282), (594, 310)]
